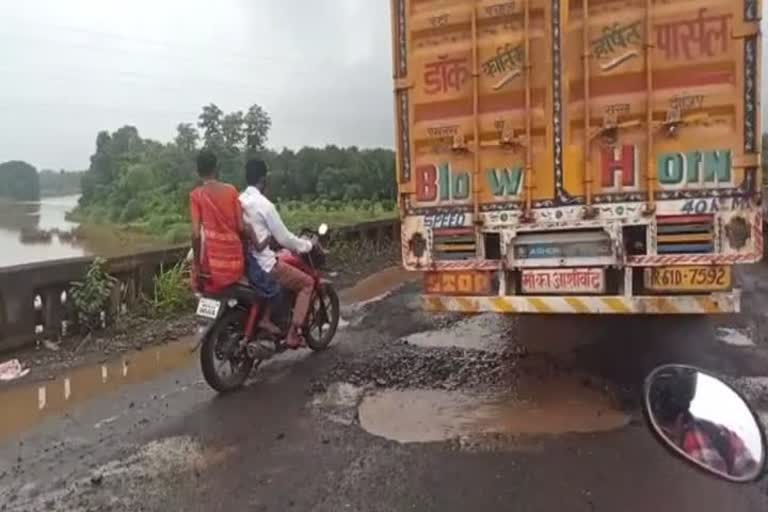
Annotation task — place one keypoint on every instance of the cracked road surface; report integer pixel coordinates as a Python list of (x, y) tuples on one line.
[(404, 412)]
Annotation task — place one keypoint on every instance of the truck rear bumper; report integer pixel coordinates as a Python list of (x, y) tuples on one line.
[(714, 303)]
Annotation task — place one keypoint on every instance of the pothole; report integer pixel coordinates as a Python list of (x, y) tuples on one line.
[(545, 407), (339, 402), (735, 337), (487, 332)]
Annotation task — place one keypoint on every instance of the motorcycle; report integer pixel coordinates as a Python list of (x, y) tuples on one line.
[(705, 421), (233, 338)]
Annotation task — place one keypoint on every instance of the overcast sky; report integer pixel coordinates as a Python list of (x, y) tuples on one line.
[(69, 68)]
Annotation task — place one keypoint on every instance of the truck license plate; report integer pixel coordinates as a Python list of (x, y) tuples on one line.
[(693, 278), (208, 308), (565, 280)]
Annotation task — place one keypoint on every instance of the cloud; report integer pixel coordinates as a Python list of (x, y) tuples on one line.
[(321, 68)]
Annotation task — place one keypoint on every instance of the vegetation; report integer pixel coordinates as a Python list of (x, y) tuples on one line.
[(19, 181), (91, 295), (146, 184), (172, 290), (61, 183)]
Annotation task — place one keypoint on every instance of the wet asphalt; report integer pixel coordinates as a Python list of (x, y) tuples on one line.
[(291, 441)]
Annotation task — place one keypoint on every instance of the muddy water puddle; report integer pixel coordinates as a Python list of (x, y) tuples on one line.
[(378, 285), (553, 406), (33, 402)]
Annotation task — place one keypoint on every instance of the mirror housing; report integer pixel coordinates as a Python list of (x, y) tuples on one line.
[(705, 421)]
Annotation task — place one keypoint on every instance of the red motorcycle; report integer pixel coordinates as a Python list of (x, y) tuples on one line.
[(232, 344)]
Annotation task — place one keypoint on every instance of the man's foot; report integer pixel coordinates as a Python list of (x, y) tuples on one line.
[(294, 341)]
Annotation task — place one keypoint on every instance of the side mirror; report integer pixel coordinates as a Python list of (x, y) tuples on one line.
[(705, 421), (322, 230)]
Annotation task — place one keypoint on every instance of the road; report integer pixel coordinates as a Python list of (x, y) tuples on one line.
[(404, 412)]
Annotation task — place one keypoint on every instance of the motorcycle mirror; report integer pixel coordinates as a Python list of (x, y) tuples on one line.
[(705, 421), (323, 229)]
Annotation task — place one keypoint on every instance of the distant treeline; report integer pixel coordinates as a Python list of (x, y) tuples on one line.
[(59, 183), (137, 180), (20, 181)]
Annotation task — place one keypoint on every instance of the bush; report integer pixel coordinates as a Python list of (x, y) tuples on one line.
[(172, 291), (91, 295), (177, 233), (132, 211)]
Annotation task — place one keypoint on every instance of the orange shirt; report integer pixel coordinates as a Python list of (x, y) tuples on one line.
[(216, 214)]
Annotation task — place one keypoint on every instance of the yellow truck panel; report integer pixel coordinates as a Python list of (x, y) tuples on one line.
[(606, 137)]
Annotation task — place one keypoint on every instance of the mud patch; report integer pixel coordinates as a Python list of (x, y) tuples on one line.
[(377, 286)]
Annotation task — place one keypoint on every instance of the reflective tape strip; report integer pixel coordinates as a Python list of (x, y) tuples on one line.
[(464, 265), (502, 305), (577, 305), (707, 259), (465, 304), (665, 305), (707, 304), (617, 305), (540, 305)]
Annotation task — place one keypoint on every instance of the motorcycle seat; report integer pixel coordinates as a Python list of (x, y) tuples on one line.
[(241, 291)]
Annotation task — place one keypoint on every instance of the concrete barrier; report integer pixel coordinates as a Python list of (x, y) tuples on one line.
[(34, 300)]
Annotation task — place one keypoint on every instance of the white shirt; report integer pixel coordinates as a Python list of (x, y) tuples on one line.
[(262, 216)]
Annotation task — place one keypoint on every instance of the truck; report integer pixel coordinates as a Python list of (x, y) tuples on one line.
[(578, 156)]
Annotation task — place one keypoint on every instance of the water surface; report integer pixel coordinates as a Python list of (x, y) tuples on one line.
[(49, 213), (18, 218)]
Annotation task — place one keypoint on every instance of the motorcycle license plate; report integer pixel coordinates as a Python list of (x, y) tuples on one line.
[(208, 308)]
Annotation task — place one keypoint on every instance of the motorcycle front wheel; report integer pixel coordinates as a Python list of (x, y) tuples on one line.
[(323, 318), (221, 351)]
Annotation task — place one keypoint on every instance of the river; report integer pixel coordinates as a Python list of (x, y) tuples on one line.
[(19, 219)]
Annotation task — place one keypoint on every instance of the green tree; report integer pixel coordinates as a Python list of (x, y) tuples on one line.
[(232, 130), (210, 122), (257, 126), (137, 180), (19, 181), (187, 137)]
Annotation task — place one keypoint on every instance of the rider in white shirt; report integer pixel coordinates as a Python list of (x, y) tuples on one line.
[(263, 218)]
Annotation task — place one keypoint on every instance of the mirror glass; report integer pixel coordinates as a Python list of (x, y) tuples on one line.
[(704, 420), (323, 229)]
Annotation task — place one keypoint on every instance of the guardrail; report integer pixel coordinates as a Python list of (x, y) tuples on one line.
[(34, 300)]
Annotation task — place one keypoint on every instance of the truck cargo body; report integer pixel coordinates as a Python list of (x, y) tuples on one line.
[(578, 156)]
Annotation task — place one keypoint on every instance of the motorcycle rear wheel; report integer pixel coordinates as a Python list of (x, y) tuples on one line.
[(221, 346), (323, 321)]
